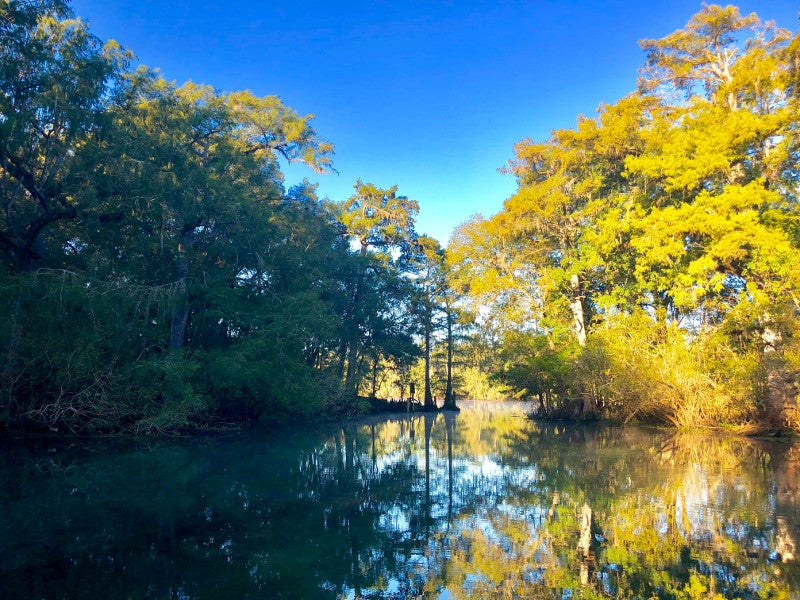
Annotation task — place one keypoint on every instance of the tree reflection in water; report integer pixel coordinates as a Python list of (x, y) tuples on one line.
[(483, 503)]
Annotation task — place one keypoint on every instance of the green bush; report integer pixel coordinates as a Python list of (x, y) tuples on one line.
[(644, 370)]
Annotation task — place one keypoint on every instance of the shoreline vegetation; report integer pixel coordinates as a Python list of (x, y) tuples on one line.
[(157, 276)]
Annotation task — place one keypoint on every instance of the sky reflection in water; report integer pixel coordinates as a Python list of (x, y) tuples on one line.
[(484, 503)]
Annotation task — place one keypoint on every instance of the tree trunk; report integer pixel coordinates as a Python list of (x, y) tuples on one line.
[(576, 304), (352, 366), (180, 318), (352, 333), (428, 402), (177, 330), (591, 401), (449, 398), (375, 363)]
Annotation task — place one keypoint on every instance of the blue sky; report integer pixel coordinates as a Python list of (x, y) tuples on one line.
[(430, 96)]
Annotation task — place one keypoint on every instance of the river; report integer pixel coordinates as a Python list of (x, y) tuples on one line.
[(484, 503)]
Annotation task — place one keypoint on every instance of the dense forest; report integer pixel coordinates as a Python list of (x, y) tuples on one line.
[(157, 275)]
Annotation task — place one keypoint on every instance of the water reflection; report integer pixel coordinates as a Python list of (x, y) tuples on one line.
[(484, 503)]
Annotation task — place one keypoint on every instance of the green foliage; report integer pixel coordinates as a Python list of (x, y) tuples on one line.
[(165, 390), (95, 344), (54, 77), (663, 235), (377, 324), (378, 218), (647, 371), (156, 274), (535, 370)]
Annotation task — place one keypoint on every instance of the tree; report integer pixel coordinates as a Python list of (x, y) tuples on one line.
[(378, 219), (203, 162), (452, 314), (705, 57), (381, 223), (429, 279), (499, 275), (54, 78), (677, 202), (717, 167), (147, 242)]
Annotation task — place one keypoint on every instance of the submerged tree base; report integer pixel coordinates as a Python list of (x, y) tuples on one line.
[(379, 405)]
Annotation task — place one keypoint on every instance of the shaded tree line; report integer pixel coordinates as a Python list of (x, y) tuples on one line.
[(155, 271)]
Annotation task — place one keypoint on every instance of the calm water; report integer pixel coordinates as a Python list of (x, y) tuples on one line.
[(484, 503)]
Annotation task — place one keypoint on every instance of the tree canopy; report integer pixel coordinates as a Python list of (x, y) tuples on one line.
[(157, 273), (668, 221)]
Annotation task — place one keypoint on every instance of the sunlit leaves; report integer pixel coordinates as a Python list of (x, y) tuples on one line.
[(267, 125), (680, 199), (377, 218), (702, 57), (54, 77)]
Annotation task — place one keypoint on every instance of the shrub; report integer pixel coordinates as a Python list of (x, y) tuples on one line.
[(652, 371)]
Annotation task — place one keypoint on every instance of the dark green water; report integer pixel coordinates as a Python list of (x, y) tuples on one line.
[(480, 504)]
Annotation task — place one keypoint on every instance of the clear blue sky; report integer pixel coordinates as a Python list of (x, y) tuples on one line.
[(430, 96)]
